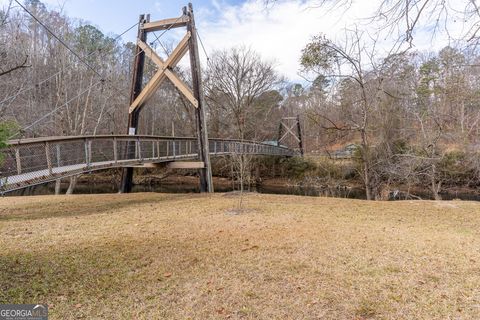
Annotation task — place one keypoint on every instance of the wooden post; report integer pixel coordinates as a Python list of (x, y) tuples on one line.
[(299, 132), (137, 83), (49, 160), (285, 123), (57, 148), (87, 152), (115, 152), (18, 160), (280, 126), (139, 149), (165, 71), (206, 184)]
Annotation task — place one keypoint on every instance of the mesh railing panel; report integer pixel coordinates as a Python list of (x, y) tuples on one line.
[(27, 163)]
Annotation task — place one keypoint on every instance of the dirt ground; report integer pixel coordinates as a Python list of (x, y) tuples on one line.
[(167, 256)]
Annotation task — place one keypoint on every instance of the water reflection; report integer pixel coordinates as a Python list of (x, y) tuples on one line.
[(343, 192)]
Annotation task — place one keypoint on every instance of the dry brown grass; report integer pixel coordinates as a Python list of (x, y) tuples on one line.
[(152, 256)]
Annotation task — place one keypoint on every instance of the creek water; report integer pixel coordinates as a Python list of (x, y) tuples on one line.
[(342, 192)]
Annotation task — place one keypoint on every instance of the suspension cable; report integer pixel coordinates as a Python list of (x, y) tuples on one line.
[(89, 87), (92, 52), (54, 110), (203, 47), (165, 31), (63, 69), (161, 44), (60, 40)]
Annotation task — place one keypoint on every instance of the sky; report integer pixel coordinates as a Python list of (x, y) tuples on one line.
[(278, 32)]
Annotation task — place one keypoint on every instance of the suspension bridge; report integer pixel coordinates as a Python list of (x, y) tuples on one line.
[(39, 160), (32, 161)]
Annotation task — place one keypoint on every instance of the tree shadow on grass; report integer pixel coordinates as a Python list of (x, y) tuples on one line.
[(89, 274), (65, 208)]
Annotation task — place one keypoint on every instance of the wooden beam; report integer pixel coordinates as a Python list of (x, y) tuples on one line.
[(206, 184), (18, 160), (149, 52), (151, 165), (136, 89), (179, 84), (148, 90), (173, 59), (115, 151), (179, 51), (182, 87), (173, 165), (156, 80), (186, 165), (163, 72), (166, 24), (49, 160), (289, 130)]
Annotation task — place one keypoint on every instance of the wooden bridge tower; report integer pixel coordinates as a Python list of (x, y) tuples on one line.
[(141, 94), (292, 128)]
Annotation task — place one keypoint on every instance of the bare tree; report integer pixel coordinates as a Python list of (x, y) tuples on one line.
[(8, 62), (235, 79), (404, 17), (242, 168), (324, 57), (408, 16), (238, 82)]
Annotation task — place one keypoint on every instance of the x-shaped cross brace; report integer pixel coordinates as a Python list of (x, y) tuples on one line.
[(289, 130), (165, 70)]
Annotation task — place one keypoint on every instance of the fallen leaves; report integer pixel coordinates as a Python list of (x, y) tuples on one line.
[(292, 257)]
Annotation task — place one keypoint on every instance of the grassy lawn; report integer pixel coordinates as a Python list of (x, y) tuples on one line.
[(154, 256)]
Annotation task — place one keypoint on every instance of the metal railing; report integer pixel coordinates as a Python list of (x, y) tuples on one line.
[(33, 161)]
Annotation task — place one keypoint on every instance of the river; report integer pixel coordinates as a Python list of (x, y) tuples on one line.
[(276, 188)]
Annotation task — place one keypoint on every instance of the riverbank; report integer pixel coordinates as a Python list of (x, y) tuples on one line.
[(177, 256), (176, 183)]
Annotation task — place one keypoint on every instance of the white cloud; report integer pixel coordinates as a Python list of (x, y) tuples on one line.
[(281, 31), (278, 33)]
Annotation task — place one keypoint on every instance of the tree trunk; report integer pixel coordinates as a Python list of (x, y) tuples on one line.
[(242, 168), (435, 187), (71, 186), (257, 173), (58, 186), (366, 167), (368, 190)]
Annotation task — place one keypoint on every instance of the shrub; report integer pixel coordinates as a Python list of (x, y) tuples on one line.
[(7, 129)]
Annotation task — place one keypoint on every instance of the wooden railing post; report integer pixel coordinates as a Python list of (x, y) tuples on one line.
[(18, 160), (139, 150), (87, 153), (115, 150), (49, 160), (57, 148), (57, 160)]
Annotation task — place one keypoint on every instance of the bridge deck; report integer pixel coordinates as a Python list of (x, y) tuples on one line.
[(39, 160)]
